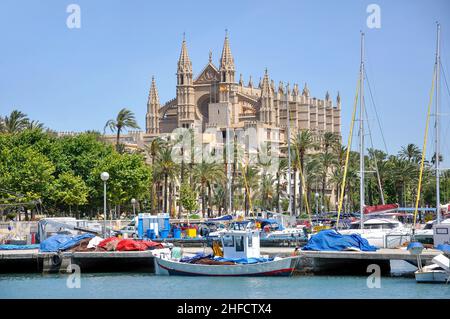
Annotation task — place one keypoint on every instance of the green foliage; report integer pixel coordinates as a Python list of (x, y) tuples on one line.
[(188, 197), (70, 190), (64, 172)]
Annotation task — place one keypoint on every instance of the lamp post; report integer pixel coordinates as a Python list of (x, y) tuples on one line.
[(133, 202), (104, 176)]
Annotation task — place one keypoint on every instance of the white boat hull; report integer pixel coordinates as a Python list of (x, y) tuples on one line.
[(381, 239), (438, 276), (278, 267)]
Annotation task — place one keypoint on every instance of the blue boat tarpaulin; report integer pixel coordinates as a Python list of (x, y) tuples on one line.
[(244, 260), (222, 218), (331, 240), (62, 242), (18, 247)]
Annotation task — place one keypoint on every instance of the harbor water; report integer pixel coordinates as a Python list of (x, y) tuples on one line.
[(144, 285)]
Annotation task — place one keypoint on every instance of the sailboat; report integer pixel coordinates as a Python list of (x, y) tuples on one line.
[(385, 232), (439, 270)]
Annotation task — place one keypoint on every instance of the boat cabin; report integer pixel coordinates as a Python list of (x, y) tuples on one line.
[(241, 244)]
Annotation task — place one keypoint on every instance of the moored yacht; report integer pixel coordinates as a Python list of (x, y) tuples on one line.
[(381, 232)]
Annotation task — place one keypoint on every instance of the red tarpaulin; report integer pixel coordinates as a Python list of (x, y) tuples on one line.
[(380, 208), (128, 244)]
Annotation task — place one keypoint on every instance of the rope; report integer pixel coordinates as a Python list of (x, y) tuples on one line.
[(374, 157), (347, 155), (376, 113), (424, 150)]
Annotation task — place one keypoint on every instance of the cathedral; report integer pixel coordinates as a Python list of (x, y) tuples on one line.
[(214, 100)]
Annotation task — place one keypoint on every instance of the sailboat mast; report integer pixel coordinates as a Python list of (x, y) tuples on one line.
[(361, 135), (437, 128), (230, 205), (288, 133)]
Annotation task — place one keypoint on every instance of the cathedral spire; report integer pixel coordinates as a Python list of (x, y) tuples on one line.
[(327, 96), (184, 63), (250, 82), (227, 62), (267, 110), (153, 105), (305, 90), (265, 85), (338, 100), (241, 80), (153, 95)]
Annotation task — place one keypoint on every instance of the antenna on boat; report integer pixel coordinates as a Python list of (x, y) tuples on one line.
[(437, 127), (361, 135)]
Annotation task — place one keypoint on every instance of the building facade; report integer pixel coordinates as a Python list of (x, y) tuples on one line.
[(215, 100)]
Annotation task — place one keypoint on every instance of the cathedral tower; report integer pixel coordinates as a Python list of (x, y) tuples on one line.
[(185, 89), (267, 111), (226, 70)]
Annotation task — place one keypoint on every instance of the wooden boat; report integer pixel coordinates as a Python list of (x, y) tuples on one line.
[(241, 257)]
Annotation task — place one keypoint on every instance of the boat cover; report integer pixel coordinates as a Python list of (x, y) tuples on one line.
[(116, 244), (197, 256), (224, 218), (18, 247), (62, 242), (331, 240), (244, 260)]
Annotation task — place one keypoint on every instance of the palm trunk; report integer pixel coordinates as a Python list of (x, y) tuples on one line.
[(165, 193), (294, 200), (209, 201), (278, 193), (203, 199), (118, 138), (300, 185), (324, 182), (180, 207)]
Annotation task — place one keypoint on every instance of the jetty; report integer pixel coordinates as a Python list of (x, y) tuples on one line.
[(310, 262)]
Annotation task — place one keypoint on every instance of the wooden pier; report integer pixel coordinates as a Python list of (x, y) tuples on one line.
[(315, 262)]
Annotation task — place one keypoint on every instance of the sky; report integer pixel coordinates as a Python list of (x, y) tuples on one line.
[(76, 79)]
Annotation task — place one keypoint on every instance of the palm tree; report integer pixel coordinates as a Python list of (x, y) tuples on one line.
[(35, 125), (125, 119), (206, 174), (302, 142), (15, 122), (410, 153), (249, 180), (282, 169), (165, 168), (153, 150), (266, 192), (326, 160)]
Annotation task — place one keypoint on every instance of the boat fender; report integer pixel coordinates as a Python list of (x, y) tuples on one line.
[(56, 260)]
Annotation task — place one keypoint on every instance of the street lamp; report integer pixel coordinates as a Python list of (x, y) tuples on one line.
[(133, 202), (104, 176)]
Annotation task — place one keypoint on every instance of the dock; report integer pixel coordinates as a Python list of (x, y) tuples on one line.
[(310, 262)]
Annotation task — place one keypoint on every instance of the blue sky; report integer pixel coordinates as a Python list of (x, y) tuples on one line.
[(76, 79)]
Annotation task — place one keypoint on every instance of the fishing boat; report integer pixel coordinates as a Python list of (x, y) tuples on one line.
[(241, 257)]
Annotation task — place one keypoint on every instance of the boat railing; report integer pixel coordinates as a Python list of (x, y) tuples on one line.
[(390, 239)]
